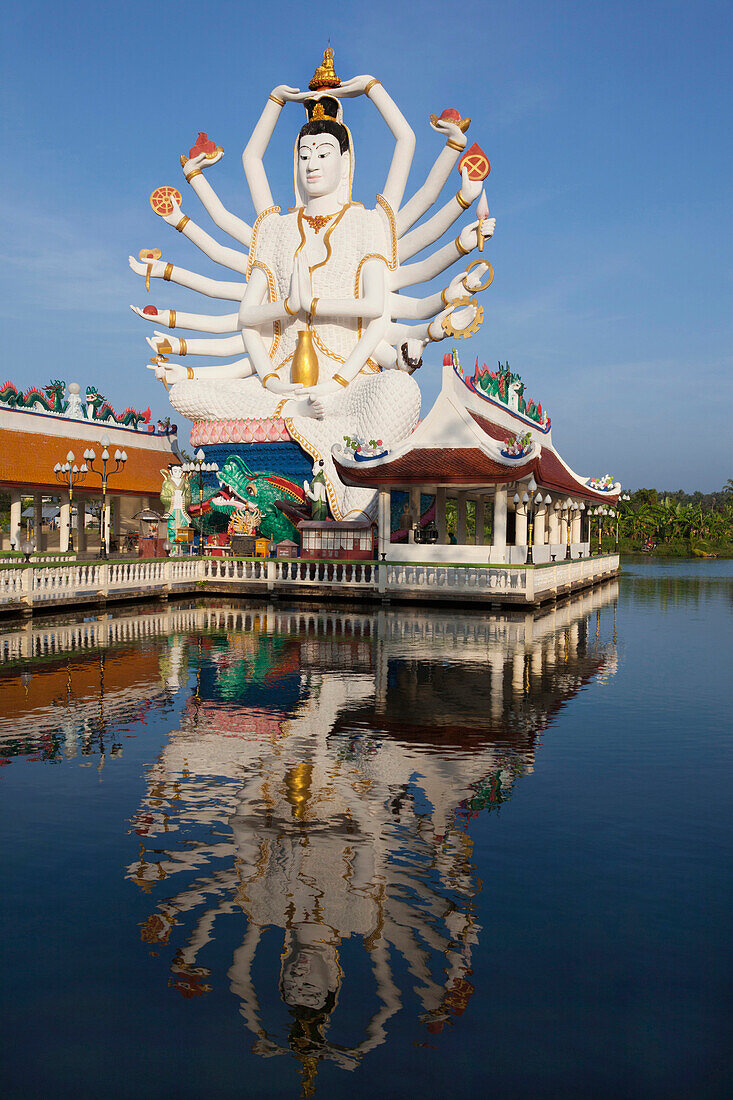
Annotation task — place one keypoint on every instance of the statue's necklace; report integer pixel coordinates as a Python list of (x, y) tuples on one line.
[(318, 221)]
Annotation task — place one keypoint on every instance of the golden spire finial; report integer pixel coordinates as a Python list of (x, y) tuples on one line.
[(325, 74)]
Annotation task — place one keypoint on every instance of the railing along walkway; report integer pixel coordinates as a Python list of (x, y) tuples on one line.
[(88, 581)]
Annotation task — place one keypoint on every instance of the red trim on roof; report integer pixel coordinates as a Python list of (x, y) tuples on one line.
[(501, 435), (552, 474), (439, 465)]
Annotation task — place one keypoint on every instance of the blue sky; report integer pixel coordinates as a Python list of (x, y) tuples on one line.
[(607, 126)]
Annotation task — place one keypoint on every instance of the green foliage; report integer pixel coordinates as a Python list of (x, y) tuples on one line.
[(680, 522)]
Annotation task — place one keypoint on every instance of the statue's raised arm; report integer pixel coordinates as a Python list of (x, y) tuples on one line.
[(252, 157), (403, 133), (455, 127), (200, 157)]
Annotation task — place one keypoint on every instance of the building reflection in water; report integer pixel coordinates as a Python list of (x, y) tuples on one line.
[(320, 789), (322, 785)]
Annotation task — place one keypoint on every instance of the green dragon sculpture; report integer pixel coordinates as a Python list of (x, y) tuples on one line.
[(241, 490), (98, 408), (50, 398)]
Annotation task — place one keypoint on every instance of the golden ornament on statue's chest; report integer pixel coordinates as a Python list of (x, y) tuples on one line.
[(305, 360)]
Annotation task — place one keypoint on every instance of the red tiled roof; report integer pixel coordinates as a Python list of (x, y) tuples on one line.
[(552, 474), (436, 465), (470, 466), (501, 435), (550, 471)]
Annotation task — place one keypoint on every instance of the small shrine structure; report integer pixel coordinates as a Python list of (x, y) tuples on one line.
[(483, 445)]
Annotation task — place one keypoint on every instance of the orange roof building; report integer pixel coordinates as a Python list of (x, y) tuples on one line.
[(33, 442)]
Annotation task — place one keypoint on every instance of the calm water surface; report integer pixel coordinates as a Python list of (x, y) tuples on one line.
[(275, 851)]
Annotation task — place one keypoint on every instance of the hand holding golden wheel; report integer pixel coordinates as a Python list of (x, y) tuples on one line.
[(482, 286), (160, 200), (463, 307)]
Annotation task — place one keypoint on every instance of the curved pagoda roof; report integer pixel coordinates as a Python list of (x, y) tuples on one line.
[(462, 442)]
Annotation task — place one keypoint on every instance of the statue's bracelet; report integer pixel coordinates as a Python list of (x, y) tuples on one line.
[(462, 251), (455, 145), (276, 99), (292, 312), (371, 84), (189, 372)]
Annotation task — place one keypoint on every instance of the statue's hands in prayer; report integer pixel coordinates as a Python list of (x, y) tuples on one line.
[(300, 297), (169, 373), (350, 88)]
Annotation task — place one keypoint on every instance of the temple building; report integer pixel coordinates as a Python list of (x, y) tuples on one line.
[(487, 448), (38, 431)]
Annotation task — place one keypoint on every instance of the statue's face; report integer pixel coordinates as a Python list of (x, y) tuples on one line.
[(320, 165), (305, 979)]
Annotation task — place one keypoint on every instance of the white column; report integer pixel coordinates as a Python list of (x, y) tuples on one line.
[(64, 524), (440, 515), (461, 523), (540, 534), (16, 530), (37, 520), (117, 506), (81, 541), (414, 513), (575, 527), (554, 525), (500, 504), (563, 533), (383, 521), (480, 517), (520, 525)]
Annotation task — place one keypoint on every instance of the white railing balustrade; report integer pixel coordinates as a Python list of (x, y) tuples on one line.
[(94, 580)]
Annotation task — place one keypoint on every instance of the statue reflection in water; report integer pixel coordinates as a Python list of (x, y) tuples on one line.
[(322, 784)]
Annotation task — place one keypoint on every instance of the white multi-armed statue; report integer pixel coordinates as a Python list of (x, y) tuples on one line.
[(321, 320)]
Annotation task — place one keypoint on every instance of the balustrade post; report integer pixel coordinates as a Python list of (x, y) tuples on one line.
[(271, 574), (103, 579), (27, 596), (529, 579)]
